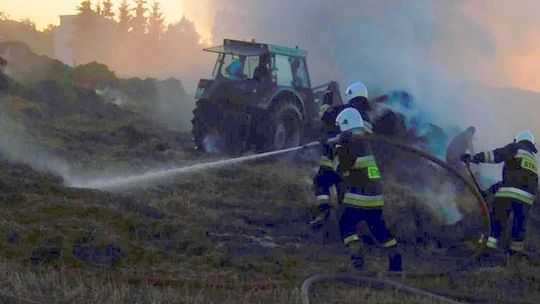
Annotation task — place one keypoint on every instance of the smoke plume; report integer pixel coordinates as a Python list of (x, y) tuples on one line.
[(446, 54), (16, 145)]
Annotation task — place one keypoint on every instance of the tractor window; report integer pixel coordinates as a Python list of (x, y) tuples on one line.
[(250, 65), (282, 71), (300, 73), (230, 66), (217, 66)]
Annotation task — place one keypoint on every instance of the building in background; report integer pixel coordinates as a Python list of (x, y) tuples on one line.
[(62, 36)]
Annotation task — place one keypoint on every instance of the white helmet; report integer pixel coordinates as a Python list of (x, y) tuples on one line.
[(350, 119), (525, 135), (357, 89)]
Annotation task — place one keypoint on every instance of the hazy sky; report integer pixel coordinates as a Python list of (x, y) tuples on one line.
[(514, 30), (44, 12)]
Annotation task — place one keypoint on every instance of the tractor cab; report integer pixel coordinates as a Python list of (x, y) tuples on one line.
[(279, 65)]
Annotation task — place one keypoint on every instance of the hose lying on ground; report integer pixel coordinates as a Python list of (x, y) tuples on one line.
[(358, 280), (383, 280)]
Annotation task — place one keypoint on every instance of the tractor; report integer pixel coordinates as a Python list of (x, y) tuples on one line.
[(260, 98)]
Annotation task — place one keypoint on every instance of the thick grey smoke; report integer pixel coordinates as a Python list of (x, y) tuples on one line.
[(17, 145), (436, 50), (425, 47)]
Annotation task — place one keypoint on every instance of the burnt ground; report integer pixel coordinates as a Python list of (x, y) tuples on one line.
[(231, 235), (224, 234)]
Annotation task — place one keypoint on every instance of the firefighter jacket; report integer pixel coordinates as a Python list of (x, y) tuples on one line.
[(357, 167), (520, 171), (327, 176)]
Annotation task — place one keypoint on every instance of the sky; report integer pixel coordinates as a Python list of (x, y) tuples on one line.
[(46, 12), (514, 30)]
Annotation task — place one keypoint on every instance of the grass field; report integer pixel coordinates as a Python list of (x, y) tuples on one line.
[(237, 234)]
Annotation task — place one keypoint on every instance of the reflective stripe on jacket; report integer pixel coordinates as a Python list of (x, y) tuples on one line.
[(520, 171), (360, 174)]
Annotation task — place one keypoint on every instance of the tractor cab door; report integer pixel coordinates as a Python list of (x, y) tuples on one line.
[(292, 72), (302, 85)]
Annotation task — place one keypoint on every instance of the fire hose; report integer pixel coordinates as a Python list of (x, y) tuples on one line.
[(473, 188), (358, 280), (125, 181), (371, 279)]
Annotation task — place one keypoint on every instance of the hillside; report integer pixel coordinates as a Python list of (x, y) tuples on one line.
[(237, 234)]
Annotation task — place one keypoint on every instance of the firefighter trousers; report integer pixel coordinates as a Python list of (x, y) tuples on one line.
[(502, 208), (352, 216)]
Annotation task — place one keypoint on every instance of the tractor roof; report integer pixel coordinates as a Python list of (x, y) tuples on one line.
[(244, 48)]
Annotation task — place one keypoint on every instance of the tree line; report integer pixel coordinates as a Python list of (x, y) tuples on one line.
[(132, 38)]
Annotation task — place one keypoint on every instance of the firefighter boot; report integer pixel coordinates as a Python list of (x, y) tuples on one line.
[(394, 261), (357, 256), (357, 261), (514, 258)]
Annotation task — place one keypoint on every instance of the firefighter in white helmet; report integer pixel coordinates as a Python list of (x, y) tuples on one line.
[(356, 96), (363, 192), (516, 193)]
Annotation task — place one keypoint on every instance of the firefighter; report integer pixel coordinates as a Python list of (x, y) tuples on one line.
[(517, 191), (326, 177), (356, 96), (363, 193)]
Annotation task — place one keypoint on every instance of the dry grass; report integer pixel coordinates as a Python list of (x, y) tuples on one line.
[(244, 238), (46, 285)]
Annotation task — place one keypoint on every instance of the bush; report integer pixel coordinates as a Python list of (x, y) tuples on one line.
[(93, 75)]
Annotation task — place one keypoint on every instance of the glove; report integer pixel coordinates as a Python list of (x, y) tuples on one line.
[(466, 158), (328, 98), (484, 194), (333, 140), (322, 216), (319, 220)]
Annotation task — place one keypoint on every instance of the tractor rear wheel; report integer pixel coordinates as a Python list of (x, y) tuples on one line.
[(215, 132), (205, 134)]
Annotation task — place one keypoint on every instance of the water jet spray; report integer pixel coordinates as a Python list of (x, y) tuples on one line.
[(110, 183), (130, 181)]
